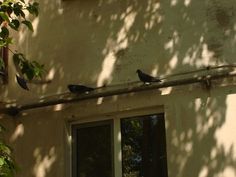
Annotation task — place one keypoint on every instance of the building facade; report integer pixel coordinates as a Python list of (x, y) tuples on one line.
[(182, 126)]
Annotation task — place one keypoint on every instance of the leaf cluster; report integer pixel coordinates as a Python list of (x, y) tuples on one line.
[(7, 164), (12, 16), (29, 69)]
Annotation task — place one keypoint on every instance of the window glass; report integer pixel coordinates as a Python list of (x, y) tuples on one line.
[(92, 150), (144, 146)]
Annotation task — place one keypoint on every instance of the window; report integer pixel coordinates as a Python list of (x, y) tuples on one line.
[(92, 150), (142, 148)]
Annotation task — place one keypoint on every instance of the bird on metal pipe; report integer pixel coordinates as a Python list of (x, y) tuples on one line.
[(79, 89), (145, 78)]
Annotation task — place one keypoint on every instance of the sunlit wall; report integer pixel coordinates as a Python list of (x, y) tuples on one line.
[(102, 43)]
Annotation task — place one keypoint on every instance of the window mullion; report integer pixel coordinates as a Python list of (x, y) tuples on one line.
[(117, 149)]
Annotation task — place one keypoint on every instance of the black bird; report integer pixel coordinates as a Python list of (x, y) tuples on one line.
[(22, 82), (145, 78), (79, 89)]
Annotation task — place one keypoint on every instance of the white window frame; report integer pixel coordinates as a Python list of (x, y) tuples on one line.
[(116, 117)]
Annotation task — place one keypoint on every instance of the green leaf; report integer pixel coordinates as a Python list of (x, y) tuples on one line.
[(38, 72), (19, 60), (14, 24), (17, 9), (27, 70), (2, 43), (9, 40), (4, 7), (2, 161), (9, 11), (2, 128), (28, 24), (4, 32), (16, 59), (30, 73), (33, 8), (5, 148), (4, 16)]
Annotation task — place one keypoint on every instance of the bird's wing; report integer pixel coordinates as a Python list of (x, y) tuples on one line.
[(79, 88)]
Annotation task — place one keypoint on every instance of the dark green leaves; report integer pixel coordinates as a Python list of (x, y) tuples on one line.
[(17, 57), (38, 69), (14, 24), (28, 24), (7, 164), (2, 128), (12, 15), (4, 16), (18, 10), (33, 8), (13, 12), (4, 36), (28, 69), (4, 33)]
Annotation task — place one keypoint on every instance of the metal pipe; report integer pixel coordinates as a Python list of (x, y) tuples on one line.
[(207, 68), (14, 110)]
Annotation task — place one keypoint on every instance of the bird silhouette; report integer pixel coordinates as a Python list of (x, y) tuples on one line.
[(22, 82), (79, 89), (145, 78)]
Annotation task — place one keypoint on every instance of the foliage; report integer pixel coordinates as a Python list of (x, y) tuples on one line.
[(12, 16), (7, 164), (132, 134)]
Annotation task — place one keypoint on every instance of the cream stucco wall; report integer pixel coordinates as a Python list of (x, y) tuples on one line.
[(97, 42)]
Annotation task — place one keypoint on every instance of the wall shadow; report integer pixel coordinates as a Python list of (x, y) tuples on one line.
[(103, 42)]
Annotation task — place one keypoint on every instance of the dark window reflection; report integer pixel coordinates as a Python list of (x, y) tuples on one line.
[(92, 151), (144, 146)]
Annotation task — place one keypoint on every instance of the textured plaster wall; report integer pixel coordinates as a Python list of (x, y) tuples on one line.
[(97, 42), (105, 41), (200, 130)]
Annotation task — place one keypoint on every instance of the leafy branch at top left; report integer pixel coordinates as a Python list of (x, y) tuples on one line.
[(12, 16)]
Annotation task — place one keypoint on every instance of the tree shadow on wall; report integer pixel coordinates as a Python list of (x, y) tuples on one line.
[(113, 38), (195, 144), (104, 42)]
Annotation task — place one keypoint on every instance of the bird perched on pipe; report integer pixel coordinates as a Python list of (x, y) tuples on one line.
[(79, 89), (145, 78)]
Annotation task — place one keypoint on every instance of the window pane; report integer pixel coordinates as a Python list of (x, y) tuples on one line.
[(144, 146), (92, 151)]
